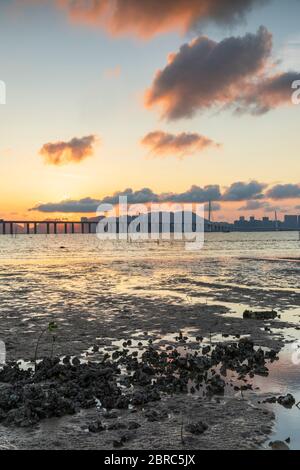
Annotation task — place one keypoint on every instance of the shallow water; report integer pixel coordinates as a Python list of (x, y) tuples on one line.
[(51, 273)]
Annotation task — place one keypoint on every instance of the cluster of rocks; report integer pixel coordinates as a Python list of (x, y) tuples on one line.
[(266, 315), (288, 401), (62, 387)]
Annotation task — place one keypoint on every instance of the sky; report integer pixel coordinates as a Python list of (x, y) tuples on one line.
[(184, 103)]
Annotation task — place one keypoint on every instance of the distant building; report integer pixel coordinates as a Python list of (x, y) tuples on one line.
[(291, 222)]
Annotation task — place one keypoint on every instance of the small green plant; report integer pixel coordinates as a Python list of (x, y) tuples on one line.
[(51, 328)]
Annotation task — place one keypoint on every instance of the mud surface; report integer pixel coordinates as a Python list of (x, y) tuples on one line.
[(128, 316), (233, 420)]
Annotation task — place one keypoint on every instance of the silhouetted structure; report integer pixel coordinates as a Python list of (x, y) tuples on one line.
[(155, 222), (291, 222)]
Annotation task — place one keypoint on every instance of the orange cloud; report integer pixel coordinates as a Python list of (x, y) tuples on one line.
[(74, 151), (146, 18), (180, 145)]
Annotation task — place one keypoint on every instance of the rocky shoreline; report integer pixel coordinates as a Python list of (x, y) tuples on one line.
[(139, 371), (143, 391)]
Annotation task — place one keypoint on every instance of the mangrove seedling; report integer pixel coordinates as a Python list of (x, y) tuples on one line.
[(51, 327)]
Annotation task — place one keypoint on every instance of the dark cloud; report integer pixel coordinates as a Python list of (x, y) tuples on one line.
[(244, 191), (284, 191), (146, 18), (233, 73), (141, 196), (86, 205), (194, 194), (206, 73), (253, 193), (180, 145), (268, 93), (74, 151)]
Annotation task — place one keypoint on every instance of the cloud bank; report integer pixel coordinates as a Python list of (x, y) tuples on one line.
[(243, 191), (255, 195), (233, 73), (74, 151), (284, 191), (163, 144), (146, 18)]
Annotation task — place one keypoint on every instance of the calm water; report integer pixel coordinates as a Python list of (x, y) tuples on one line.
[(273, 244), (255, 260), (69, 271)]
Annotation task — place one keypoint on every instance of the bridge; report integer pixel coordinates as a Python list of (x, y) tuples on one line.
[(34, 227), (11, 227)]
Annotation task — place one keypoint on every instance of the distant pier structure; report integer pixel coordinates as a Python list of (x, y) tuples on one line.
[(34, 227), (47, 227)]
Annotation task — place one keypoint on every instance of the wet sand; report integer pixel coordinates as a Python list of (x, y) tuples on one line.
[(234, 421), (140, 296)]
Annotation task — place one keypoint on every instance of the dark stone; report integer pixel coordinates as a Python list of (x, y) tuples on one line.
[(287, 401), (267, 315), (96, 427), (197, 428)]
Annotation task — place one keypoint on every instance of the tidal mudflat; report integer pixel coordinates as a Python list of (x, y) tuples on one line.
[(151, 348)]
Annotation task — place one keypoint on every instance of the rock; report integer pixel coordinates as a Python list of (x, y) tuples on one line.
[(122, 402), (216, 385), (197, 428), (75, 361), (116, 425), (96, 426), (279, 445), (118, 443), (110, 415), (154, 415), (66, 360), (287, 401), (270, 400), (267, 315), (206, 350), (133, 425)]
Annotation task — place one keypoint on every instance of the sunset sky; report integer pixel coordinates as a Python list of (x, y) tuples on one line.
[(186, 102)]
